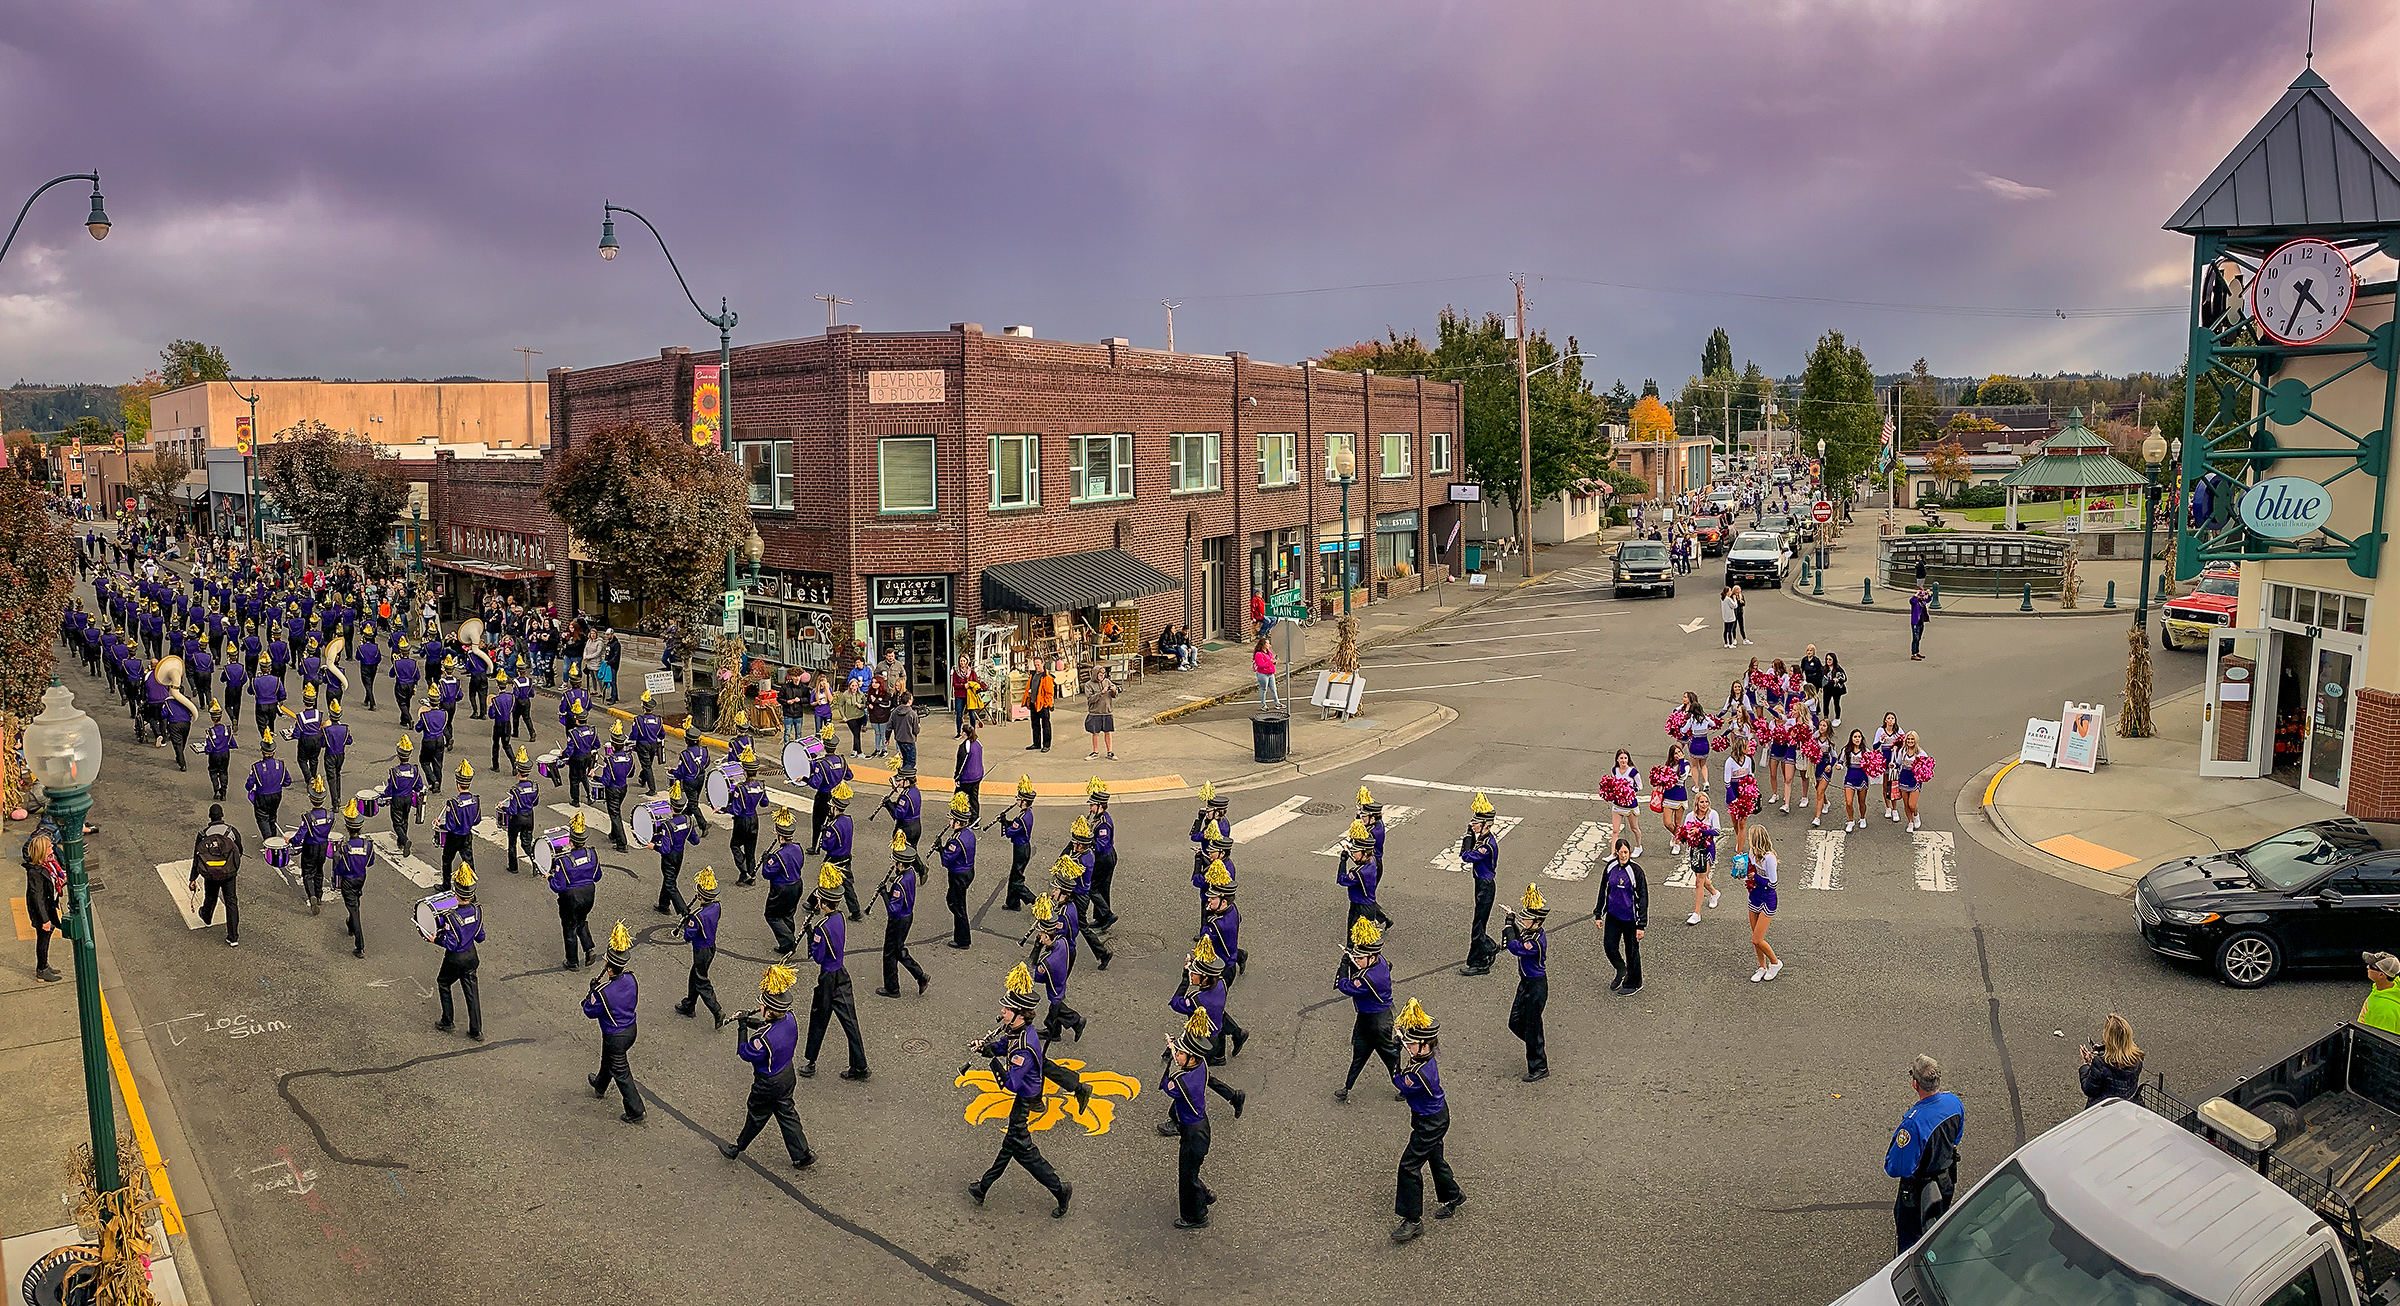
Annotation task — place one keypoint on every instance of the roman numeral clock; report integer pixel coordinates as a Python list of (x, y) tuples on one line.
[(2290, 385)]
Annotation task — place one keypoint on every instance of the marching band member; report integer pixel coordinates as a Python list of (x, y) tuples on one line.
[(691, 770), (899, 895), (833, 997), (905, 806), (502, 713), (337, 745), (747, 800), (612, 1000), (1420, 1081), (768, 1037), (308, 730), (1360, 871), (1480, 850), (1015, 1055), (582, 746), (699, 928), (649, 740), (351, 859), (573, 877), (958, 863), (404, 678), (218, 749), (1017, 824), (516, 812), (787, 882), (433, 730), (266, 784), (1054, 961), (616, 772), (1526, 939), (1201, 991), (827, 769), (1104, 852), (403, 789), (316, 835), (834, 843), (461, 930), (1364, 977), (1187, 1117)]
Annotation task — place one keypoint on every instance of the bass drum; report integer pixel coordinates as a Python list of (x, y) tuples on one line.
[(547, 849), (429, 911), (798, 755), (647, 820), (720, 785)]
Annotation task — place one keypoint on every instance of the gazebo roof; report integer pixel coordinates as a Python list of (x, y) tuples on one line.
[(2074, 437), (2080, 471)]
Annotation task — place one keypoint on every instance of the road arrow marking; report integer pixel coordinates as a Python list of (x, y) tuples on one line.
[(1693, 625)]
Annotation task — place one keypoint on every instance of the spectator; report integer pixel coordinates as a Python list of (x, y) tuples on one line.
[(797, 704), (850, 704), (904, 729), (1263, 663), (2381, 1010), (1741, 621), (879, 711), (217, 858), (45, 886), (2112, 1067), (1099, 713), (1920, 609), (966, 697), (1812, 673), (1041, 695), (612, 657), (1258, 613), (859, 674), (1729, 610)]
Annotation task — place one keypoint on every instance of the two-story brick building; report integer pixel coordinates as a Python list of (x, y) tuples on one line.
[(940, 491)]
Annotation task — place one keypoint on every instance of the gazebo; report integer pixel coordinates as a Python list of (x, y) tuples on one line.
[(2077, 459)]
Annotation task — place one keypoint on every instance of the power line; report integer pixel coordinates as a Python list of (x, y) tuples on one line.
[(1951, 310), (1366, 285)]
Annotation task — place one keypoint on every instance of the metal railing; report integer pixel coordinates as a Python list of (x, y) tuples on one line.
[(2318, 1193)]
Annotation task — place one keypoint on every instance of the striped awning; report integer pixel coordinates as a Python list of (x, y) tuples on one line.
[(1071, 581)]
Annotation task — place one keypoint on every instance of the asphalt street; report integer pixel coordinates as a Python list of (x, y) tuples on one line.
[(1710, 1137)]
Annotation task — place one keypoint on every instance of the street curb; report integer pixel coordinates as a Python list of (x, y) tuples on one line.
[(1380, 742), (2001, 839), (1312, 664), (1900, 609)]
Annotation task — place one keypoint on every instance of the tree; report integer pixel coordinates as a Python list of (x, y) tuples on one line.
[(1650, 387), (339, 488), (1398, 356), (134, 396), (37, 572), (1837, 405), (1920, 396), (1717, 355), (653, 508), (23, 445), (1948, 463), (1999, 391), (186, 361), (156, 479), (1967, 423), (89, 430), (1650, 421), (1617, 405)]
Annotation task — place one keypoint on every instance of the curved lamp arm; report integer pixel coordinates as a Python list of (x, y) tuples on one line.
[(91, 177), (722, 321)]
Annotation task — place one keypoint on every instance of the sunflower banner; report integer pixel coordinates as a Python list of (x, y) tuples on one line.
[(708, 408), (993, 1102)]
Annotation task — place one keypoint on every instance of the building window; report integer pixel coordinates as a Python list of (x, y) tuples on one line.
[(1334, 442), (1441, 450), (1192, 464), (768, 463), (1100, 467), (904, 471), (1278, 459), (1016, 471), (1395, 455)]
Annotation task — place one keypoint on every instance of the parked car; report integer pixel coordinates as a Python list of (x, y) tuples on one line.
[(1643, 565), (2190, 616), (1756, 558), (1783, 476), (2310, 898)]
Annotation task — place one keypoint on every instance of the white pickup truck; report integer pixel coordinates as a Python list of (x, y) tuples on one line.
[(2124, 1207)]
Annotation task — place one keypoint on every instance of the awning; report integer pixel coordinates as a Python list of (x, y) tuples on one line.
[(1071, 581), (489, 570)]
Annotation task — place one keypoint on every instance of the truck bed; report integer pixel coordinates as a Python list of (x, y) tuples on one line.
[(2348, 1143)]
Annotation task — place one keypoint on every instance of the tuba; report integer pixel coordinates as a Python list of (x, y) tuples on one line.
[(330, 656), (170, 672), (469, 638)]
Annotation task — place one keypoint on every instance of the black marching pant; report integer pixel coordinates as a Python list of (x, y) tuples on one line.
[(264, 807), (574, 907), (459, 968), (309, 756), (454, 849), (1018, 1146), (520, 836), (783, 901), (351, 891), (895, 951), (1371, 1036), (616, 820), (1365, 911), (312, 872), (1624, 951), (771, 1098), (1192, 1195), (579, 779), (179, 733), (1104, 873), (745, 848), (1480, 948), (401, 807), (834, 998), (501, 754), (220, 773), (670, 884), (369, 673), (820, 810), (617, 1066), (956, 897), (1018, 894), (698, 989), (214, 890), (1425, 1147), (1061, 1015), (402, 694), (333, 777), (648, 757), (1525, 1020)]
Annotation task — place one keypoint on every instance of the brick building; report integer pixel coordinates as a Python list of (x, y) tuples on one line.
[(940, 491), (484, 525)]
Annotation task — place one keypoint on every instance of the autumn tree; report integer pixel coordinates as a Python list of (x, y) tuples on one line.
[(134, 397), (1964, 423), (1920, 400), (653, 508), (183, 362), (1650, 421), (1948, 463), (157, 477), (37, 573), (343, 490), (1398, 355), (1998, 391), (1838, 406)]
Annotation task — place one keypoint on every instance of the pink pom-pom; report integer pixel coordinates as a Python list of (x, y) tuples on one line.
[(1695, 833), (1763, 679), (1676, 720), (1663, 777), (1922, 767), (1617, 789), (1874, 764), (1813, 749)]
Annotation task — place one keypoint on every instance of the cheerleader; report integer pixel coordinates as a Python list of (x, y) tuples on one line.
[(1701, 845), (1761, 882), (1783, 756), (1673, 795), (1854, 782), (1694, 730), (1904, 775), (1737, 769), (1886, 742), (1779, 685), (1824, 768), (1625, 803)]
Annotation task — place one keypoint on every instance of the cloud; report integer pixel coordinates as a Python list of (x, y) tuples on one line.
[(2009, 190)]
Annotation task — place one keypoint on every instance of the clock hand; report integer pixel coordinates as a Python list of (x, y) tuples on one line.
[(2301, 292)]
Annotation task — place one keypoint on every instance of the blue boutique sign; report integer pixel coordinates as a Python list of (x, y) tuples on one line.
[(2286, 507)]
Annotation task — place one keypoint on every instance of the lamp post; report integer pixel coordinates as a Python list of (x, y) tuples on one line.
[(416, 535), (2134, 721), (723, 320), (62, 745), (754, 549), (249, 462), (1345, 465), (96, 223), (2154, 452), (1824, 530)]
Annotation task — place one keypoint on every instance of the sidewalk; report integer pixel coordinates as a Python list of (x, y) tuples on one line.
[(1853, 562), (2147, 804)]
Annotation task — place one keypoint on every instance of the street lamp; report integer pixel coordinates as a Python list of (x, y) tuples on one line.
[(754, 549), (62, 745), (416, 535), (1343, 465), (2154, 452), (96, 222), (1824, 529), (2134, 721)]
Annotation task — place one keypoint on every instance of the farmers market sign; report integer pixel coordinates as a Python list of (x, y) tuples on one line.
[(2285, 507)]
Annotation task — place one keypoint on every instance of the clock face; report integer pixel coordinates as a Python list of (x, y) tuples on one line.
[(2302, 292)]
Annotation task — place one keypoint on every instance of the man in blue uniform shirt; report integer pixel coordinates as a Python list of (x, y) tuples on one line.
[(1530, 944), (612, 1000), (268, 779), (1480, 850), (1924, 1153), (1014, 1053), (768, 1038), (700, 931), (1364, 977), (1420, 1082), (833, 997), (461, 930), (573, 877), (899, 894), (1186, 1086)]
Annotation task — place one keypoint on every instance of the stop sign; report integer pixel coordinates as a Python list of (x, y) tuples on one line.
[(1820, 512)]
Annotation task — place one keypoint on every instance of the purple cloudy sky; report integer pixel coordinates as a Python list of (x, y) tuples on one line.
[(382, 189)]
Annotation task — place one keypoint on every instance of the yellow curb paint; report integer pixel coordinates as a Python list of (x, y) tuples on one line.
[(2083, 852), (16, 907), (1149, 784), (170, 1213), (1994, 786)]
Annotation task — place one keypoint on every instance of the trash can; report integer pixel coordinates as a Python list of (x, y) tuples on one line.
[(1474, 557), (1270, 736)]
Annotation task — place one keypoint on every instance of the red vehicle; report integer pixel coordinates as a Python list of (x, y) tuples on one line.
[(2189, 617), (1712, 531)]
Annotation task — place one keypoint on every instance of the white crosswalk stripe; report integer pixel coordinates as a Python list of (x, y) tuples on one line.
[(1681, 877), (1393, 816), (1934, 849), (414, 871), (1449, 860), (1825, 858), (174, 875), (1489, 790), (1582, 851), (1251, 828)]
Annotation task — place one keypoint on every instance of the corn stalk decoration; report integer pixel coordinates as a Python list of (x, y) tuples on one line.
[(1345, 647), (118, 1224), (2069, 587), (2133, 722)]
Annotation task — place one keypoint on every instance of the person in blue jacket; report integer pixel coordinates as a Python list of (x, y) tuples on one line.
[(1924, 1153)]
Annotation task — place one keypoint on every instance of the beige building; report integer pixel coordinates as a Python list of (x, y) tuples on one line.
[(498, 414)]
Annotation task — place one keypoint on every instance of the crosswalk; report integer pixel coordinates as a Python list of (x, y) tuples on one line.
[(1394, 816), (1449, 862)]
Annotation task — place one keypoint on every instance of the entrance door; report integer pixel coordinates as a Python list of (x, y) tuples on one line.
[(921, 650), (2233, 717), (1212, 589), (2325, 758), (2291, 668)]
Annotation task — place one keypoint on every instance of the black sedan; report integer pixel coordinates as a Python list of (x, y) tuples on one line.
[(2311, 898)]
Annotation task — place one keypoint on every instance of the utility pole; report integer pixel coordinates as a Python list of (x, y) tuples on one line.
[(530, 441), (1524, 438), (1171, 305), (833, 306)]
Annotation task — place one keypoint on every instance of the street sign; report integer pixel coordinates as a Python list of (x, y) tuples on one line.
[(659, 682), (733, 605), (1820, 512), (1287, 605)]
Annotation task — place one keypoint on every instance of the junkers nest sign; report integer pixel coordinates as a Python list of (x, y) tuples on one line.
[(2285, 507)]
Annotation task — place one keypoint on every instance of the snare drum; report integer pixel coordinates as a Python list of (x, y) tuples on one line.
[(370, 801), (721, 784), (429, 914), (798, 754), (649, 819), (550, 847), (551, 767), (277, 850)]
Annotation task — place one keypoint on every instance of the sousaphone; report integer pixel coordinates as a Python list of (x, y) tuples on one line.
[(170, 672), (469, 637), (330, 654)]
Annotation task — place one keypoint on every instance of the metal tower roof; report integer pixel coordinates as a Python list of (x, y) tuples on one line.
[(2309, 165)]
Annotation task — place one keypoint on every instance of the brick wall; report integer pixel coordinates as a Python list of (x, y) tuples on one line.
[(2375, 756)]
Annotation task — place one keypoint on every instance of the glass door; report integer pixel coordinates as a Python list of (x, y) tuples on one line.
[(2324, 767), (2232, 718)]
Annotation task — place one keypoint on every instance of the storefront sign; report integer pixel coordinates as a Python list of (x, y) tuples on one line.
[(912, 591), (1395, 521), (812, 589), (1465, 492), (2041, 742), (925, 387), (2079, 741), (708, 398), (2285, 507)]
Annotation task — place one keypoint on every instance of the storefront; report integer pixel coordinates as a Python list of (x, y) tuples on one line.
[(787, 618), (1278, 560), (910, 617), (2281, 692), (1396, 543), (460, 581)]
